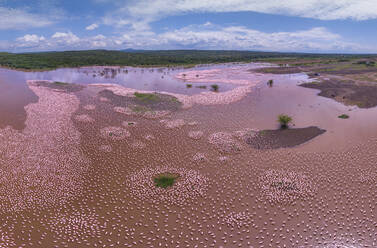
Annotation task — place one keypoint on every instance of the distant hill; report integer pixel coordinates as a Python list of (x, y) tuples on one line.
[(131, 50)]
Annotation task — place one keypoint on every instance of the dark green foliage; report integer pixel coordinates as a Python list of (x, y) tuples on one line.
[(270, 82), (284, 120), (343, 116), (165, 180), (61, 84), (215, 87), (53, 60), (188, 85), (201, 87)]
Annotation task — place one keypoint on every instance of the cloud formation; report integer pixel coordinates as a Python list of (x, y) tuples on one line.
[(149, 10), (130, 24), (20, 19), (241, 38), (30, 41), (206, 36), (92, 26)]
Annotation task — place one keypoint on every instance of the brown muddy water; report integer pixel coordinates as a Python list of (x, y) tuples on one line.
[(78, 169)]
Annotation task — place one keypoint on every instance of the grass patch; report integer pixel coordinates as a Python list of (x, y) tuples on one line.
[(188, 85), (343, 116), (61, 84), (146, 97), (165, 180), (175, 100)]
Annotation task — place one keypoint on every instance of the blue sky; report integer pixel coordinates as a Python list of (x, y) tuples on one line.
[(269, 25)]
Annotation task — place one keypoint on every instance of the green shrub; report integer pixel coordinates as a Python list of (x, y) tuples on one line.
[(215, 87), (343, 116), (165, 180), (284, 120)]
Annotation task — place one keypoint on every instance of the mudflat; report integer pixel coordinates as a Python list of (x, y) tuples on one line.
[(283, 138)]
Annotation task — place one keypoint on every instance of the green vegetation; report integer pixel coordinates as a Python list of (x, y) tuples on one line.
[(61, 84), (367, 63), (270, 82), (215, 87), (146, 97), (343, 116), (175, 100), (284, 120), (186, 58), (201, 87), (188, 85), (165, 180)]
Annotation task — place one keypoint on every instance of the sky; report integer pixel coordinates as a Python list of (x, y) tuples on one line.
[(320, 26)]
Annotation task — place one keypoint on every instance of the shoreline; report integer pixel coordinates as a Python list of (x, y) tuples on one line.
[(204, 98), (180, 66)]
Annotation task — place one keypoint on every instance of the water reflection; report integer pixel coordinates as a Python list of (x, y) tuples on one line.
[(156, 79), (15, 95)]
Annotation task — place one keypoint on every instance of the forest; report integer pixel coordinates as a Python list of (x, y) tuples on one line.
[(53, 60)]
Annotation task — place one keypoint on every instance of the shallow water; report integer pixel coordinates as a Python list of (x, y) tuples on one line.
[(150, 79), (14, 96), (335, 174)]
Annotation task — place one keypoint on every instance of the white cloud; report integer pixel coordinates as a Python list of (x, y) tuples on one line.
[(65, 38), (139, 13), (319, 9), (30, 41), (58, 41), (92, 26), (204, 36), (31, 38), (98, 41), (20, 19), (242, 38)]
